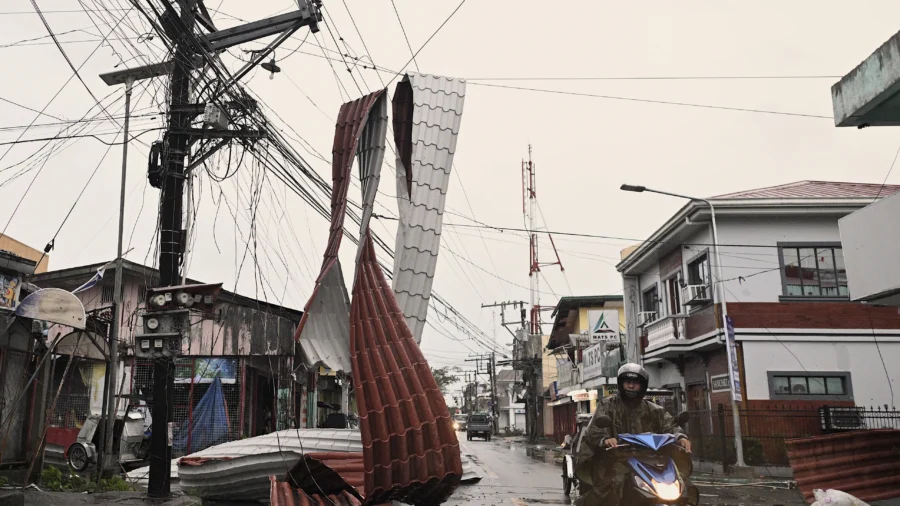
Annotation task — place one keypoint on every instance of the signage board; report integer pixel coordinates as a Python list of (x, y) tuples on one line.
[(583, 395), (592, 361), (603, 324), (564, 371), (719, 383), (733, 370), (10, 286), (207, 369)]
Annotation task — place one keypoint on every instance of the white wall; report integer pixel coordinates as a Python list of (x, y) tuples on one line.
[(871, 239), (758, 267), (663, 373), (860, 359)]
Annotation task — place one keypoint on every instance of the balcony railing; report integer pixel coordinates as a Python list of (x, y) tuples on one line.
[(696, 294), (666, 329), (646, 317)]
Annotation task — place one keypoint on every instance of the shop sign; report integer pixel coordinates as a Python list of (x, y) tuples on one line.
[(604, 324), (207, 369), (565, 370), (592, 361), (583, 395), (719, 383)]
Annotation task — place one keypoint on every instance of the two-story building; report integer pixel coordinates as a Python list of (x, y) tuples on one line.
[(801, 341), (587, 331), (510, 389)]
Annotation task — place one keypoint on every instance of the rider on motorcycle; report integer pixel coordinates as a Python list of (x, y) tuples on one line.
[(601, 480)]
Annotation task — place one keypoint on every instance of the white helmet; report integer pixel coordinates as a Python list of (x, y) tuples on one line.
[(633, 372)]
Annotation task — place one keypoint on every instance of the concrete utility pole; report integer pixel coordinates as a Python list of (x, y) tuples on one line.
[(170, 175), (496, 407)]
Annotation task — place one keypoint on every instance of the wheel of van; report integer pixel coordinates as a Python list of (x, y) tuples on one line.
[(488, 438)]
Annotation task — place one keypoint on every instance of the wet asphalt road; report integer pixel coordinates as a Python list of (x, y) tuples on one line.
[(516, 475)]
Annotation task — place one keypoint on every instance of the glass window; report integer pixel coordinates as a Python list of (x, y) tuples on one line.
[(698, 271), (816, 385), (798, 385), (814, 272), (781, 385), (835, 386), (650, 300)]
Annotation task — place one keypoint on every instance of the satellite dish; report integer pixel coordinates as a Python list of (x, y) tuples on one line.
[(53, 305)]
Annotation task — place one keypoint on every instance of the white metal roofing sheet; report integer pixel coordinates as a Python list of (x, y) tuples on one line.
[(437, 111)]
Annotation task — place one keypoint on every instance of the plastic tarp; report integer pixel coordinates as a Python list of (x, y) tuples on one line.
[(208, 425)]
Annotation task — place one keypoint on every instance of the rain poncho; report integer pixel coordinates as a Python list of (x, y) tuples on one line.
[(601, 479)]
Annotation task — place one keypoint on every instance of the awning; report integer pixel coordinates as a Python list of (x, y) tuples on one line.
[(562, 400)]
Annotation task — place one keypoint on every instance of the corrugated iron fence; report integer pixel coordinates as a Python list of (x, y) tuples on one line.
[(864, 463), (765, 431)]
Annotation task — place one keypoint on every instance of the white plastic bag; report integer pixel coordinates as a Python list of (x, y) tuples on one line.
[(835, 498)]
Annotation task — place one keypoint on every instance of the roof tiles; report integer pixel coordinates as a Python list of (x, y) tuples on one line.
[(427, 114), (815, 190), (323, 331), (410, 448)]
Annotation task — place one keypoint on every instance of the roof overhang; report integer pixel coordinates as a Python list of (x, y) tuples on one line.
[(870, 94), (695, 214)]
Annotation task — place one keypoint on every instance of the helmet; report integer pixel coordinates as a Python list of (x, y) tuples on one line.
[(632, 372)]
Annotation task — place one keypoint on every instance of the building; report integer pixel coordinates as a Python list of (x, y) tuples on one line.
[(510, 389), (801, 340), (248, 349), (588, 333), (25, 251)]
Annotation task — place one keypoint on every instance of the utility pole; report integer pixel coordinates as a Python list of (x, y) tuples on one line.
[(496, 407), (169, 176)]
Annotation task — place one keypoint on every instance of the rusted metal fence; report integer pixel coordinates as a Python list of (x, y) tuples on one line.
[(193, 379), (765, 431)]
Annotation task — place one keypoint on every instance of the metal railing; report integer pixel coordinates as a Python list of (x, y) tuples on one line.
[(765, 430)]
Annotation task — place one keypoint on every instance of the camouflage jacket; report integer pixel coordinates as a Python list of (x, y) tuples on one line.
[(645, 417)]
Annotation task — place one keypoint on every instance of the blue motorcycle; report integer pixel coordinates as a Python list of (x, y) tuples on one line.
[(655, 465)]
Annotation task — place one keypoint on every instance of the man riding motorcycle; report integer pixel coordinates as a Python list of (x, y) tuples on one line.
[(601, 479)]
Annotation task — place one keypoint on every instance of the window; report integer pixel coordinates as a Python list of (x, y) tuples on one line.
[(107, 294), (673, 289), (650, 301), (698, 271), (817, 386), (814, 271)]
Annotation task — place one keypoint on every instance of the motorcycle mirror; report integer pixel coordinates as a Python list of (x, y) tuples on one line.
[(683, 418), (604, 421)]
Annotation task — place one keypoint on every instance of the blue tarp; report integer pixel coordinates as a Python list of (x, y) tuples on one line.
[(208, 425)]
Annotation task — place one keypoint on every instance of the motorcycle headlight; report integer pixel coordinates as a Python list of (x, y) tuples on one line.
[(665, 491), (455, 425)]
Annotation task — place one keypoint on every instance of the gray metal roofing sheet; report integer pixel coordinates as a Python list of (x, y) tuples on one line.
[(323, 332), (437, 104)]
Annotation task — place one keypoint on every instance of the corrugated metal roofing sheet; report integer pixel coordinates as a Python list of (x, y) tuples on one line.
[(240, 469), (371, 156), (815, 189), (411, 451), (863, 463), (281, 493), (323, 332), (427, 114)]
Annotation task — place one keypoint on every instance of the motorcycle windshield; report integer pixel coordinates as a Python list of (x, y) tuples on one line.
[(652, 474), (650, 441)]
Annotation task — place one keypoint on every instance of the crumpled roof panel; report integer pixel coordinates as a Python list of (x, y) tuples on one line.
[(433, 106), (411, 451), (323, 331)]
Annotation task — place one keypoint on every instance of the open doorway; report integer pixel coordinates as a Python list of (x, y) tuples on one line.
[(265, 405)]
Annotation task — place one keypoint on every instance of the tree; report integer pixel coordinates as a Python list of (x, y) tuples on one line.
[(444, 377)]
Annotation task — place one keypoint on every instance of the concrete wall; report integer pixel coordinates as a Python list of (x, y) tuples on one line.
[(871, 239), (757, 268), (664, 373), (870, 383), (548, 366), (23, 250)]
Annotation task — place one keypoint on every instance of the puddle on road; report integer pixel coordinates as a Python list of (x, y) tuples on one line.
[(532, 500), (544, 455)]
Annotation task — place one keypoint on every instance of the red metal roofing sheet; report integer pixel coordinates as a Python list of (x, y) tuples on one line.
[(351, 120), (815, 189), (283, 494), (862, 463), (410, 449)]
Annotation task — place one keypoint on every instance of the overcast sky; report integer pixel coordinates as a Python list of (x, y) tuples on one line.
[(584, 147)]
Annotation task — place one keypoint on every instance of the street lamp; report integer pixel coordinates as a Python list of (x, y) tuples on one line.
[(126, 77), (720, 290)]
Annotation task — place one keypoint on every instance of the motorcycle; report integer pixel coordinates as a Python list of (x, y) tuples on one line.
[(654, 478), (131, 431), (568, 465)]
